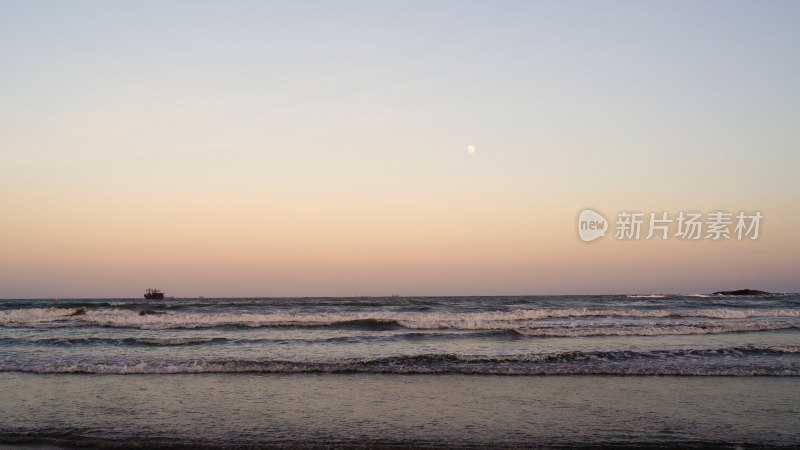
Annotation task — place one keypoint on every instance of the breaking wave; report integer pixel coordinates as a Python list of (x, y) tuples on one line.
[(190, 341), (147, 342), (695, 362), (654, 328), (398, 334), (148, 319)]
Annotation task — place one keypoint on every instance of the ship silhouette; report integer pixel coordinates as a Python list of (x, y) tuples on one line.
[(153, 294)]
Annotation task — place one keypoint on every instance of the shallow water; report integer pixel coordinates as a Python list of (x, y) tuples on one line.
[(415, 410)]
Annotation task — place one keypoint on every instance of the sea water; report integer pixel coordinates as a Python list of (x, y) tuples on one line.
[(671, 370)]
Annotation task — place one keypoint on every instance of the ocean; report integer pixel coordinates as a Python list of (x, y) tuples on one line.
[(549, 371)]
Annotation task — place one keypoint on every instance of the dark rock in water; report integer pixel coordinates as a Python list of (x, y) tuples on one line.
[(146, 312), (79, 312), (743, 292)]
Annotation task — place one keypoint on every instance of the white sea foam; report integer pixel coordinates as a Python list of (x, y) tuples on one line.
[(35, 315), (466, 321), (712, 361), (656, 329)]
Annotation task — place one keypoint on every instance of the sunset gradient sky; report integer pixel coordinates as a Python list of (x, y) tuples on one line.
[(320, 148)]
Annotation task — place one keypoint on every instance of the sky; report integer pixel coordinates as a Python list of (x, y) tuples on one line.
[(317, 148)]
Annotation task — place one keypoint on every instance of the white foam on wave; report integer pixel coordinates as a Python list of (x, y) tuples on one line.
[(711, 361), (465, 321), (512, 320), (656, 329), (35, 315), (167, 341)]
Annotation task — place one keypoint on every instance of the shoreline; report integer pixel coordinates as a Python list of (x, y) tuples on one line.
[(389, 411)]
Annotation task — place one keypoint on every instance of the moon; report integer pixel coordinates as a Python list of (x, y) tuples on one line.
[(470, 149)]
